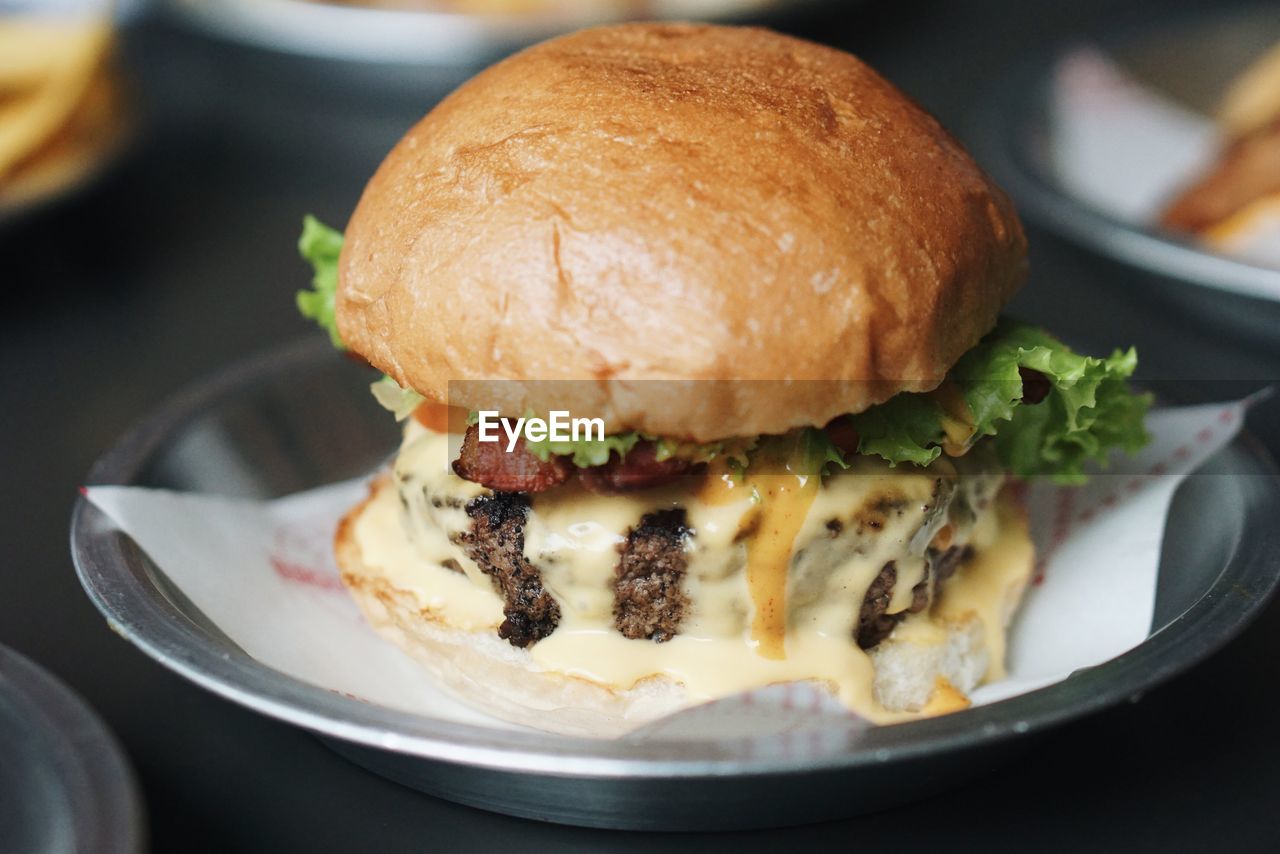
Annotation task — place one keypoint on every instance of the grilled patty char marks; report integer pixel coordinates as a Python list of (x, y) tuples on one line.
[(874, 624), (649, 601), (496, 543)]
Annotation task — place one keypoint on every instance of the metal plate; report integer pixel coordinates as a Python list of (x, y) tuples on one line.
[(301, 417), (64, 784), (1190, 60), (431, 35)]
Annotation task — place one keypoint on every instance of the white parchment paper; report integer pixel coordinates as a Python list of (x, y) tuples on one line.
[(263, 572)]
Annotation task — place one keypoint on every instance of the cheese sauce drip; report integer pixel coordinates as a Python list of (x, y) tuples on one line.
[(777, 566), (783, 504)]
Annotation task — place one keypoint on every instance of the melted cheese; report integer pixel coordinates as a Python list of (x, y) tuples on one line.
[(774, 585), (991, 585), (784, 502), (416, 564)]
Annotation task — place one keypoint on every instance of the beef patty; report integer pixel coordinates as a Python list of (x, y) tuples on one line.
[(648, 600), (874, 623), (496, 543)]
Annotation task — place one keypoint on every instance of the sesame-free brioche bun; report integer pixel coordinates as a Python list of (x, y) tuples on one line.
[(676, 202)]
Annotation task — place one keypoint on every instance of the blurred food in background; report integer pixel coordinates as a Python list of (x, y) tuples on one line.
[(1236, 203), (440, 32), (616, 8), (1177, 134), (504, 7), (61, 112), (1096, 138)]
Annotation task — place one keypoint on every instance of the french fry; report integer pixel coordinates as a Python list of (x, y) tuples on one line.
[(33, 49), (1253, 100), (30, 118), (74, 152)]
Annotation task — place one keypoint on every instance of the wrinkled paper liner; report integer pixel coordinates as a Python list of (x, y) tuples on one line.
[(264, 574)]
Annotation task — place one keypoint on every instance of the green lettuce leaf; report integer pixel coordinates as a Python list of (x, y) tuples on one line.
[(595, 452), (816, 453), (806, 451), (906, 428), (585, 452), (320, 245), (399, 401), (1088, 411), (699, 452)]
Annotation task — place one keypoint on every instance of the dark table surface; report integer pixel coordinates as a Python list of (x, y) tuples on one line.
[(183, 260)]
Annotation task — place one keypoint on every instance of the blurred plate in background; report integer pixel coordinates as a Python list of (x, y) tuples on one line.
[(63, 110), (1185, 66), (64, 784), (438, 32)]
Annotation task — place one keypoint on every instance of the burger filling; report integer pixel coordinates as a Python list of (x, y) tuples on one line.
[(718, 582), (703, 551), (813, 555)]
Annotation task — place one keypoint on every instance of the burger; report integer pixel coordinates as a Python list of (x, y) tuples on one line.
[(767, 286)]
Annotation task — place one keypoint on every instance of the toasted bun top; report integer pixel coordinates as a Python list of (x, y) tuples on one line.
[(677, 202)]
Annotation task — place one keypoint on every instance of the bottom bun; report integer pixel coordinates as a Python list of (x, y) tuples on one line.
[(488, 673), (927, 666)]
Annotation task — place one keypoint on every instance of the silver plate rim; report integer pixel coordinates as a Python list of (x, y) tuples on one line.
[(114, 574), (97, 779)]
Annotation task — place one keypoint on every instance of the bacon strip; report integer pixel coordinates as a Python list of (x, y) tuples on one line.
[(842, 434), (1035, 385), (640, 469), (490, 464), (1247, 171)]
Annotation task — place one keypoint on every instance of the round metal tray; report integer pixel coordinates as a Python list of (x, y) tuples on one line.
[(66, 785), (1191, 60), (300, 417)]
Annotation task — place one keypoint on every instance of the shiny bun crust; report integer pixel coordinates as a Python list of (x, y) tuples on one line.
[(677, 202)]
